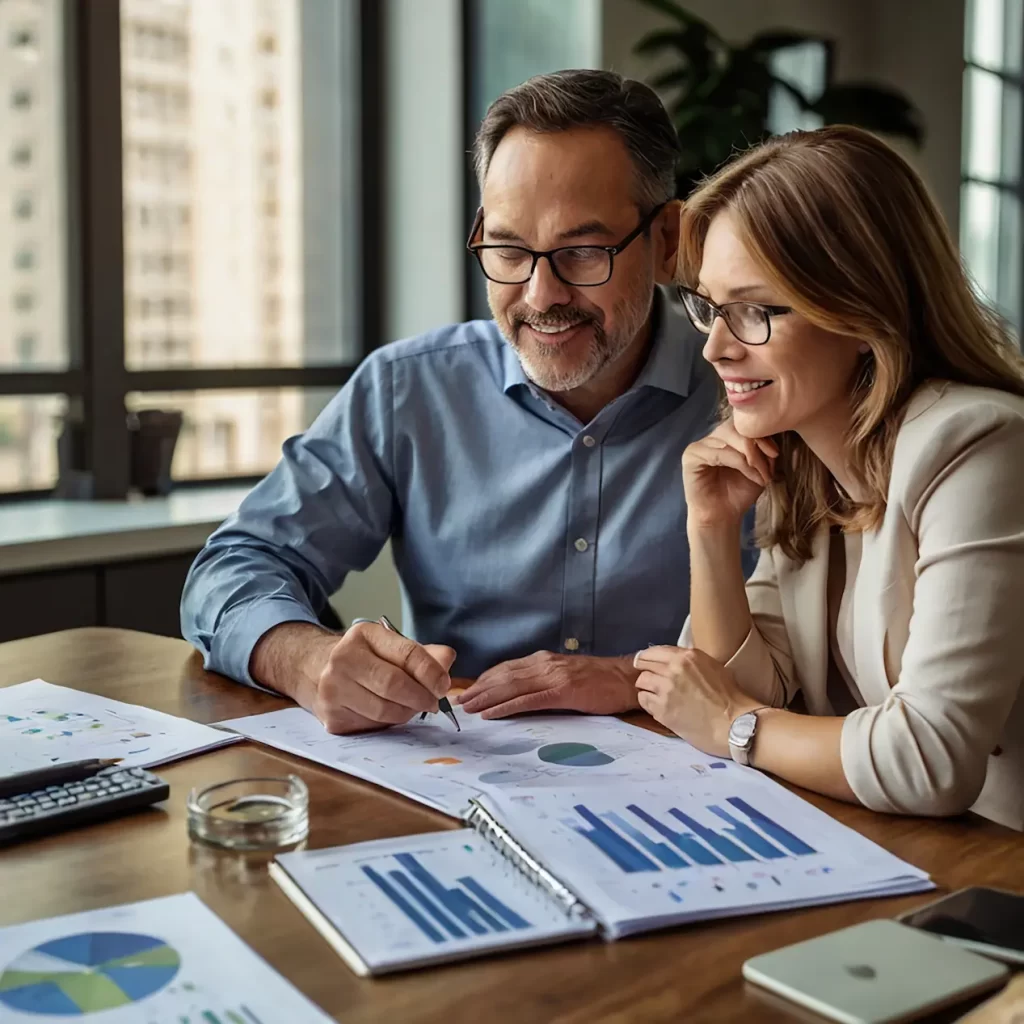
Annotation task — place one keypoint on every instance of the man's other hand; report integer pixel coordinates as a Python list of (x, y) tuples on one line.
[(546, 681)]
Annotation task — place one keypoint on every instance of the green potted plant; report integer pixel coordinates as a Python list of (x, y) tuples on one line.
[(718, 93)]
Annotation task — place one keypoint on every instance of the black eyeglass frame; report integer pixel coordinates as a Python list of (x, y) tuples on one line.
[(767, 311), (536, 255)]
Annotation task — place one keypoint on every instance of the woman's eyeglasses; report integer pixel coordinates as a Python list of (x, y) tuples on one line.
[(749, 322)]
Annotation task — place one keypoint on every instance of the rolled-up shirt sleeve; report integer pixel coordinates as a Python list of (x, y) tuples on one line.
[(762, 665), (925, 749), (325, 510)]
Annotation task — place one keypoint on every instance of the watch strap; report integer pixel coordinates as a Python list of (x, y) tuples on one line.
[(741, 754)]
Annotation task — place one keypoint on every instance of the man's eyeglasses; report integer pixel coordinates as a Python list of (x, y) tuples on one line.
[(750, 322), (581, 266)]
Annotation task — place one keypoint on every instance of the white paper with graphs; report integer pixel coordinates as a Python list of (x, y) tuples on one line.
[(42, 724), (433, 764), (621, 858)]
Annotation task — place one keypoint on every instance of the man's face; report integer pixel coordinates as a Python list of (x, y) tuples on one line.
[(543, 191)]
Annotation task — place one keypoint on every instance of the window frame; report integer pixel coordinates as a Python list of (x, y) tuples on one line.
[(97, 381), (1009, 80)]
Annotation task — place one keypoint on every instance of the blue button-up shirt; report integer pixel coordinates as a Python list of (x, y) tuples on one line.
[(514, 527)]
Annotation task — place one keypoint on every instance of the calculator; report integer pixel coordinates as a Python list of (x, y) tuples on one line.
[(109, 793)]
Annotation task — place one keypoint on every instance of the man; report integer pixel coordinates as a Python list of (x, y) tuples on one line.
[(526, 469)]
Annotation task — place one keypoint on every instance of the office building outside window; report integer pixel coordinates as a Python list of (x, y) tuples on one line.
[(33, 235), (240, 149), (235, 222)]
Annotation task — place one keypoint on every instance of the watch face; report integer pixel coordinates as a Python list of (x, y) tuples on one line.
[(743, 728)]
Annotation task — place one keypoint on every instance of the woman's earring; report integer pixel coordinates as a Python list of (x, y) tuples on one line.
[(864, 348)]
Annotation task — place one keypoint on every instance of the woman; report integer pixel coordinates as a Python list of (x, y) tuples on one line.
[(876, 414)]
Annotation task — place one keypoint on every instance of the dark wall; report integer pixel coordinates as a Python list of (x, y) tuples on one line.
[(142, 595)]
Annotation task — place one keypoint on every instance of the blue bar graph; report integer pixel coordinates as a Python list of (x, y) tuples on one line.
[(746, 835), (720, 844), (509, 916), (736, 842), (663, 852), (791, 842), (622, 851), (401, 879), (403, 904), (699, 853), (448, 898), (441, 912)]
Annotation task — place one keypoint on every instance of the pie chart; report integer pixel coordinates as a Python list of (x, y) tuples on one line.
[(86, 973), (579, 755)]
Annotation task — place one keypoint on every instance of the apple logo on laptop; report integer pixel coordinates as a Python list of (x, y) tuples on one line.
[(864, 971)]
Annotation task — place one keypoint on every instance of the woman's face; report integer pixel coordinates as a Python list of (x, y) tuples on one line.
[(801, 378)]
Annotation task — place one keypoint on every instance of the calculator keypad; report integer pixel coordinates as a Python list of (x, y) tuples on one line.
[(110, 786)]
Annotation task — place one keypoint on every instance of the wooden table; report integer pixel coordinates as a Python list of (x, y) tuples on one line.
[(690, 974)]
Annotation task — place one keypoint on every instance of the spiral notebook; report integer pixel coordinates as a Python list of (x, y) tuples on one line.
[(553, 864)]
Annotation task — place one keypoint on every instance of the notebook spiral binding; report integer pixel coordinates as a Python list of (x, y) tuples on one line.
[(480, 819)]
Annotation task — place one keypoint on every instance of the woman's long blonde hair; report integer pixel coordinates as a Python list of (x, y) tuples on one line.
[(845, 228)]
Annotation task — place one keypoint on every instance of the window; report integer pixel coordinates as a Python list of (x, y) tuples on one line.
[(26, 349), (506, 43), (29, 427), (991, 191), (512, 41), (237, 432), (804, 66), (241, 290), (22, 42)]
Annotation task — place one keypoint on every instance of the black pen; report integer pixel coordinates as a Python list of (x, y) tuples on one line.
[(443, 704), (54, 775)]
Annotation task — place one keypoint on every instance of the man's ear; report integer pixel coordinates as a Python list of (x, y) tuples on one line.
[(666, 236)]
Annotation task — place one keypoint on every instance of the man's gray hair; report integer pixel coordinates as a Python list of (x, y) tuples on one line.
[(563, 100)]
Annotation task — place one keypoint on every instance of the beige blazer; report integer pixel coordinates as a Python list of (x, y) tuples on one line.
[(938, 618)]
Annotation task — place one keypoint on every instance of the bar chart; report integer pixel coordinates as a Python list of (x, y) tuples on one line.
[(741, 833), (443, 913)]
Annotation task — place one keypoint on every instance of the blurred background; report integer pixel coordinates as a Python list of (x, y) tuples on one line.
[(211, 210)]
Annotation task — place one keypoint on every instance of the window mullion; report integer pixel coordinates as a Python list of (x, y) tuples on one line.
[(98, 76)]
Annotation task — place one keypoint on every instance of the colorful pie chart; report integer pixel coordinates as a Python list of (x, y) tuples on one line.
[(579, 755), (87, 973)]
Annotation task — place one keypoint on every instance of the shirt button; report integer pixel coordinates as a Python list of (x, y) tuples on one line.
[(572, 644), (580, 544), (589, 441)]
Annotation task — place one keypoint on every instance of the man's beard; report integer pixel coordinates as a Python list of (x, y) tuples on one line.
[(542, 366)]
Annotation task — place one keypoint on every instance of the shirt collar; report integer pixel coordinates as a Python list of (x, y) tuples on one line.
[(675, 346), (669, 367)]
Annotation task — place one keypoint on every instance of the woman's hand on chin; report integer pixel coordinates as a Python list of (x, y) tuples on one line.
[(724, 474)]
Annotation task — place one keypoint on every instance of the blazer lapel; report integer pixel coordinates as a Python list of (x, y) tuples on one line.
[(804, 599)]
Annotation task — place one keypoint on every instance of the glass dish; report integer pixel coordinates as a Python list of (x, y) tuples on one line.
[(259, 813)]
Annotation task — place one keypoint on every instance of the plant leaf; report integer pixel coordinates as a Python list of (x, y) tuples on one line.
[(680, 14), (768, 42), (670, 78), (875, 107), (662, 39)]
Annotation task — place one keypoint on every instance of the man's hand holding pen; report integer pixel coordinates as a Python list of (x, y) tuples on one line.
[(373, 677)]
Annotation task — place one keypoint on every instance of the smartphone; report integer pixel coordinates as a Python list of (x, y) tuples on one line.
[(988, 921), (878, 972)]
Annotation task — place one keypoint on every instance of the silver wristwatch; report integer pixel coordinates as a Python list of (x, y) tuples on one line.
[(741, 736)]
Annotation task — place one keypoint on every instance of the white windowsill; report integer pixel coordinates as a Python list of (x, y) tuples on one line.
[(42, 535)]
